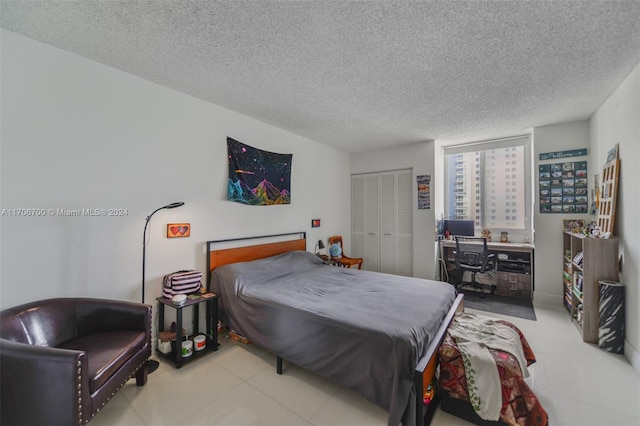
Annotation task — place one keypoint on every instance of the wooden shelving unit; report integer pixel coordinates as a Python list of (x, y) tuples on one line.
[(586, 261)]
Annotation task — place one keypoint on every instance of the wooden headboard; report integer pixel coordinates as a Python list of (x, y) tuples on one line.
[(241, 252)]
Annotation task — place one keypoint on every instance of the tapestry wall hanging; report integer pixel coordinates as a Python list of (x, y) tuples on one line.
[(257, 177)]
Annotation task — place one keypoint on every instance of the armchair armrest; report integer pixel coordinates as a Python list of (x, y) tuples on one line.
[(35, 379)]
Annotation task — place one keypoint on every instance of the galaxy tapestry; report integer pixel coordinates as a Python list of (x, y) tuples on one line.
[(257, 177)]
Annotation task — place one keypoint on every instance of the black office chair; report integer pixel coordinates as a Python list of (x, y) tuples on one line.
[(472, 255)]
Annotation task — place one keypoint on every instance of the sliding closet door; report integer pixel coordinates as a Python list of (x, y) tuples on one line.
[(387, 222), (404, 224), (396, 248), (371, 224), (381, 215), (364, 220), (357, 216)]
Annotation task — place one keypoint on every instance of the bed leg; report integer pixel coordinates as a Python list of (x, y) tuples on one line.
[(279, 365), (417, 381)]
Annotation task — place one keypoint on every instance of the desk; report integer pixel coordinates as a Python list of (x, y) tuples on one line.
[(514, 275)]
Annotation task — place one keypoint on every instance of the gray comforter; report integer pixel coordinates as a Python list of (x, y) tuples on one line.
[(365, 330)]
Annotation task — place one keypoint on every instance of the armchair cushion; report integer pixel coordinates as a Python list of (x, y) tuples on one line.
[(106, 352)]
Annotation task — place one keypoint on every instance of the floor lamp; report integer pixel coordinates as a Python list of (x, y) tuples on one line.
[(152, 365)]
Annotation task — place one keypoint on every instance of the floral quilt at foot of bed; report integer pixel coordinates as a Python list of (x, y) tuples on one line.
[(520, 406)]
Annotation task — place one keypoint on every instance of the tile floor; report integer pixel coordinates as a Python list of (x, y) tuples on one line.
[(577, 383)]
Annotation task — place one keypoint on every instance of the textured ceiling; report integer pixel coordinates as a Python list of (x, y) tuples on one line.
[(361, 75)]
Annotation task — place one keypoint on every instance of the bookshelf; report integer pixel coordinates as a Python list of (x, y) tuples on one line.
[(586, 261)]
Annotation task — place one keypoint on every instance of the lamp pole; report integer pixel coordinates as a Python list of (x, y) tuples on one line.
[(144, 239), (152, 365)]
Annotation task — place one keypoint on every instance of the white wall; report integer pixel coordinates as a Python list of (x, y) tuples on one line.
[(617, 121), (77, 134), (420, 158), (548, 226)]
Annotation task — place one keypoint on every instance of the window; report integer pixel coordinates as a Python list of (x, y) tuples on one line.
[(489, 182)]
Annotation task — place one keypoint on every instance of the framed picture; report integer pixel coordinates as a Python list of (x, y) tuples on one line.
[(573, 225), (424, 191), (178, 230), (612, 154)]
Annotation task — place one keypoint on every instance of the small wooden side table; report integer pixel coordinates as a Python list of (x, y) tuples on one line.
[(335, 261), (211, 331)]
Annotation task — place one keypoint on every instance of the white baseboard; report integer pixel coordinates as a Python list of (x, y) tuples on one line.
[(632, 355), (546, 299)]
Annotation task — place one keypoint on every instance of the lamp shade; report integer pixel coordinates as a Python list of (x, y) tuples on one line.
[(173, 205), (320, 244)]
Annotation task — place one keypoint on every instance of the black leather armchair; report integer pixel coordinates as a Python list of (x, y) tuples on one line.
[(473, 255), (62, 360)]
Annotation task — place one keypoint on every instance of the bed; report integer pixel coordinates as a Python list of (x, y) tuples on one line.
[(375, 333)]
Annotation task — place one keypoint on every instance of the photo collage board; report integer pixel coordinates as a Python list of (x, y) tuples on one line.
[(563, 187)]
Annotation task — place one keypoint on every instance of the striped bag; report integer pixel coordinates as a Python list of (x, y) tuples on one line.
[(181, 282)]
